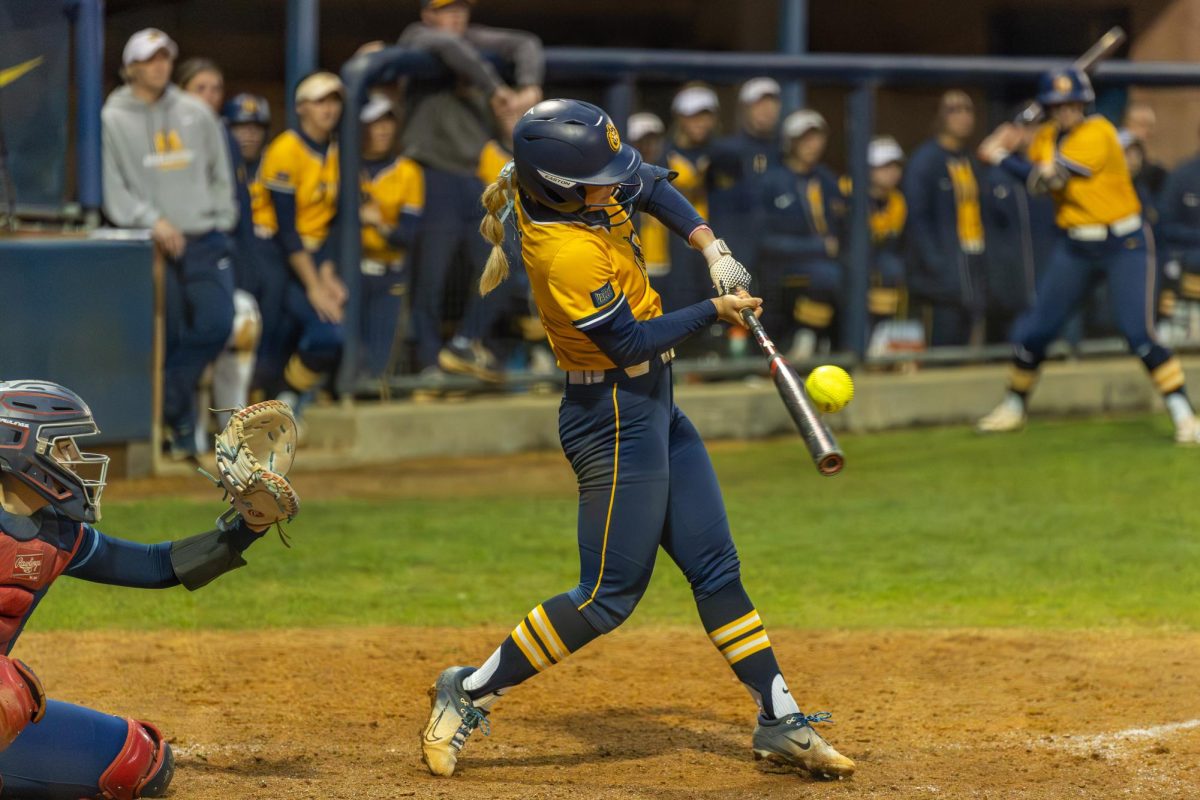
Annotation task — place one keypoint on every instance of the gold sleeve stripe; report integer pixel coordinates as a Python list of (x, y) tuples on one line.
[(546, 632), (739, 625), (531, 649), (748, 648)]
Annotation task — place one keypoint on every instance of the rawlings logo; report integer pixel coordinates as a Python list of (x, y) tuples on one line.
[(28, 566), (557, 181), (15, 422)]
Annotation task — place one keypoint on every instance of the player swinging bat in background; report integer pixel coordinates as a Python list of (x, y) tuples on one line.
[(1076, 158), (645, 478)]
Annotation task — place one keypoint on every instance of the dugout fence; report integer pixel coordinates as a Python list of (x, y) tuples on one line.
[(617, 75)]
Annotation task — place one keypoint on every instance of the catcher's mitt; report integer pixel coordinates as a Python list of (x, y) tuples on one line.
[(254, 453)]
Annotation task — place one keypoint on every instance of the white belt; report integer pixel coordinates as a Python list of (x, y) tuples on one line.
[(1098, 233), (263, 232), (590, 376)]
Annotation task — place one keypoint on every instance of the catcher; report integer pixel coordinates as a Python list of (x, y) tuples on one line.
[(49, 499)]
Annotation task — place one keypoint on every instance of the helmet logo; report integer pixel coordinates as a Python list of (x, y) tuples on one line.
[(614, 138), (1062, 83), (557, 181)]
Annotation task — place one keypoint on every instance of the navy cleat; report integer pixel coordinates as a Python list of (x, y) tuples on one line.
[(793, 742), (452, 718)]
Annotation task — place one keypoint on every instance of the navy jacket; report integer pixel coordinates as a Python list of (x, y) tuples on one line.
[(1179, 214), (794, 228), (736, 170), (938, 268), (1020, 235)]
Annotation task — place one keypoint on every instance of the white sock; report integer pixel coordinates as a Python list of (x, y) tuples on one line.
[(1014, 401), (1178, 407), (481, 676), (782, 701)]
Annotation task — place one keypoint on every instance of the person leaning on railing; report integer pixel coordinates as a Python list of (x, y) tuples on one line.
[(166, 168), (449, 123)]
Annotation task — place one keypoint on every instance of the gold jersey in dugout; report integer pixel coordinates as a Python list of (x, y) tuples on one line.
[(581, 275), (291, 166), (398, 188), (1099, 190)]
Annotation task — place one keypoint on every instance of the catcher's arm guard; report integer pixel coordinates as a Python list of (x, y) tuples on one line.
[(198, 560)]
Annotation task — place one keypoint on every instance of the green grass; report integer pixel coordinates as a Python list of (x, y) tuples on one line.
[(1068, 525)]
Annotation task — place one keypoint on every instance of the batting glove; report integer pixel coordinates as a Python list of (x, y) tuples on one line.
[(727, 273)]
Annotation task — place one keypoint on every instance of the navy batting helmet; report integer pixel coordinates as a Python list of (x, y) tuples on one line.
[(39, 422), (245, 108), (562, 146), (1065, 86)]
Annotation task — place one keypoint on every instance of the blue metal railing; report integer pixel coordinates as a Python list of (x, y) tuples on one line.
[(621, 69), (88, 18)]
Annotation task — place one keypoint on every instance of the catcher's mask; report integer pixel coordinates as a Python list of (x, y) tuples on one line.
[(39, 423)]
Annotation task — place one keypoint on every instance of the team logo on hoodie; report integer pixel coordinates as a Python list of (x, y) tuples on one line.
[(169, 152)]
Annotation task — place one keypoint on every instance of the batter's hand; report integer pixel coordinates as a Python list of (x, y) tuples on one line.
[(169, 238), (729, 307)]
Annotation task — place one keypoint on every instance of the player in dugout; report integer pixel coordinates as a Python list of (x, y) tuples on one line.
[(302, 338), (166, 169)]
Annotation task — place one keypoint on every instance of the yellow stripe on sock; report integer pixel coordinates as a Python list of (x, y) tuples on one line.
[(612, 497), (1022, 380), (298, 376), (1168, 376), (739, 625), (748, 648), (529, 647), (545, 629)]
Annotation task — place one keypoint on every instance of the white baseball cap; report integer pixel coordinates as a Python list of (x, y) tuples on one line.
[(884, 150), (693, 100), (377, 105), (756, 89), (145, 43), (801, 122), (643, 124), (318, 86)]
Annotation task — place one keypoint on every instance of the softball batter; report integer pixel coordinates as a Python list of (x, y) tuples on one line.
[(1078, 160), (645, 479)]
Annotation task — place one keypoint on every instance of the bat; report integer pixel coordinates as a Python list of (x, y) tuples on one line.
[(1104, 47), (820, 442)]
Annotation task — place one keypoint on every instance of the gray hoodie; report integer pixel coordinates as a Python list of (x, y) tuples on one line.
[(166, 159)]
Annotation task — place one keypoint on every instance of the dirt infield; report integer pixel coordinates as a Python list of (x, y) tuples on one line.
[(648, 713)]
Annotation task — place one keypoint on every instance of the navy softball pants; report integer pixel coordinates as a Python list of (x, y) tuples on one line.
[(199, 311), (1074, 269), (645, 480), (63, 756)]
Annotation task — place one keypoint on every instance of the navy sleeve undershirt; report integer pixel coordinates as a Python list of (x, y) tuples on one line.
[(664, 202), (628, 342), (103, 559), (405, 233), (285, 220)]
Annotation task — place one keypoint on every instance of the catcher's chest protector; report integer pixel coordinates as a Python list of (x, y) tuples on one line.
[(28, 567)]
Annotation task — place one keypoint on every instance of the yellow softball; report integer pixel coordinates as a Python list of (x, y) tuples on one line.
[(830, 388)]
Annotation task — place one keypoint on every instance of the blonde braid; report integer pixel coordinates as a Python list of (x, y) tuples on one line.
[(498, 198)]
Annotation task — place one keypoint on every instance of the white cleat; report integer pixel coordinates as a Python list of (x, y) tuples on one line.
[(452, 718), (1006, 417), (1187, 432)]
